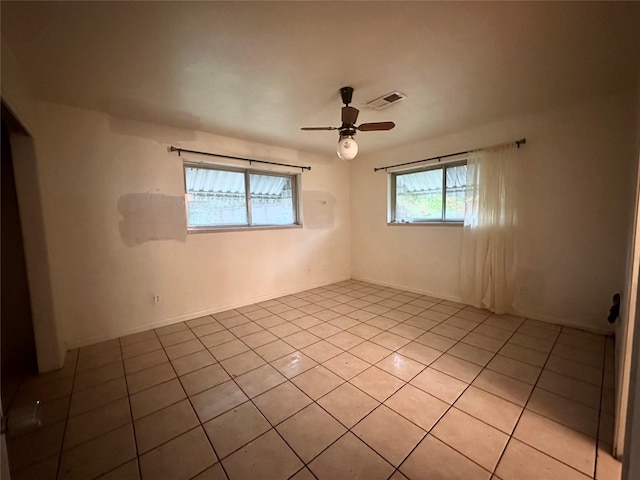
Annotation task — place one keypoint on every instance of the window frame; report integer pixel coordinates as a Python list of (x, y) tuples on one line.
[(247, 172), (391, 214)]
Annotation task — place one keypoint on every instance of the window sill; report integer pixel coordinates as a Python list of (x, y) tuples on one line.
[(425, 224), (196, 230)]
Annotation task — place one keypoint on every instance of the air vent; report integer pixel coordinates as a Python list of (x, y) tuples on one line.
[(385, 100)]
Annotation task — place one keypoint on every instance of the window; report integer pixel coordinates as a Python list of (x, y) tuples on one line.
[(429, 195), (226, 198)]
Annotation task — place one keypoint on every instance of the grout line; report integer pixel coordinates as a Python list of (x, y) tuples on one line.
[(66, 419)]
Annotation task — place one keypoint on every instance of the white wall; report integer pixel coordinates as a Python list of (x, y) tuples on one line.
[(103, 287), (576, 184)]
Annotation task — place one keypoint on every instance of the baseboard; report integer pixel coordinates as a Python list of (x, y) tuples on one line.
[(409, 289), (191, 315)]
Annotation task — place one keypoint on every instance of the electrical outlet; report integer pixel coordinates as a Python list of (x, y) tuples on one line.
[(157, 299)]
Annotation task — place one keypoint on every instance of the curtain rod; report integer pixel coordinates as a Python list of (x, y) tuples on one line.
[(180, 150), (522, 141)]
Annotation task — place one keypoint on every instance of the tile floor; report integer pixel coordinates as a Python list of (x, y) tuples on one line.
[(352, 380)]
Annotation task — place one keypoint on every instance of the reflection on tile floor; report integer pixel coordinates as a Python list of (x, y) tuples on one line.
[(352, 380)]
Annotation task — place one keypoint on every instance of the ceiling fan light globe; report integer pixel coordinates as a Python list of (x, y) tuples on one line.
[(347, 148)]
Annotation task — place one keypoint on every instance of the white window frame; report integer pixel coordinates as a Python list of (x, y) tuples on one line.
[(391, 214), (295, 191)]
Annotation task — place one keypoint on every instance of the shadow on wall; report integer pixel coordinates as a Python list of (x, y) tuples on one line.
[(148, 217), (318, 210)]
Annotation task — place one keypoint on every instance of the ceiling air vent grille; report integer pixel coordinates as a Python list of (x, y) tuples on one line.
[(385, 100)]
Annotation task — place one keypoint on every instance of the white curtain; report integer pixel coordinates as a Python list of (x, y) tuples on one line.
[(488, 245)]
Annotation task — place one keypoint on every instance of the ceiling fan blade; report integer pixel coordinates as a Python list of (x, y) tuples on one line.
[(373, 126), (349, 115), (319, 128)]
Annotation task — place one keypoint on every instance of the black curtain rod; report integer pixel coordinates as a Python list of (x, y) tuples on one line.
[(180, 150), (522, 141)]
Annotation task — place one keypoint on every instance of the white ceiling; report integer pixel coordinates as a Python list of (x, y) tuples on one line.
[(261, 70)]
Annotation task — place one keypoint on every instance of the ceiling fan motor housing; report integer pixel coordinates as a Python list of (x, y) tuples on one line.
[(347, 94)]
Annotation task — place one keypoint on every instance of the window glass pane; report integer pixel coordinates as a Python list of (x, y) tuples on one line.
[(456, 186), (419, 196), (215, 197), (271, 200)]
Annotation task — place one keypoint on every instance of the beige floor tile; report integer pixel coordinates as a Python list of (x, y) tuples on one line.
[(138, 337), (217, 400), (489, 408), (344, 322), (505, 322), (304, 474), (576, 370), (324, 330), (567, 387), (163, 425), (578, 355), (98, 376), (521, 462), (329, 315), (128, 471), (456, 367), (203, 379), (184, 348), (562, 443), (310, 431), (433, 315), (564, 411), (421, 323), (287, 328), (242, 363), (493, 332), (434, 460), (94, 423), (348, 404), (207, 329), (227, 350), (436, 341), (482, 341), (34, 447), (349, 457), (534, 343), (197, 322), (268, 454), (370, 352), (377, 383), (421, 408), (390, 340), (99, 358), (156, 398), (461, 432), (382, 323), (503, 386), (176, 337), (321, 351), (236, 428), (274, 350), (176, 327), (365, 331), (448, 331), (281, 402), (459, 322), (346, 365), (526, 355), (97, 396), (514, 369), (317, 382), (247, 329), (345, 340), (420, 353), (192, 362), (539, 329), (218, 338), (400, 366), (179, 459), (234, 321), (440, 385), (308, 322), (259, 380), (301, 339), (470, 353), (407, 331), (150, 377), (258, 339), (99, 455), (294, 364), (142, 362), (389, 434), (216, 472)]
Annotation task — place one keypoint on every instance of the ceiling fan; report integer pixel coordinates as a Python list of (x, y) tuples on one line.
[(347, 146)]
